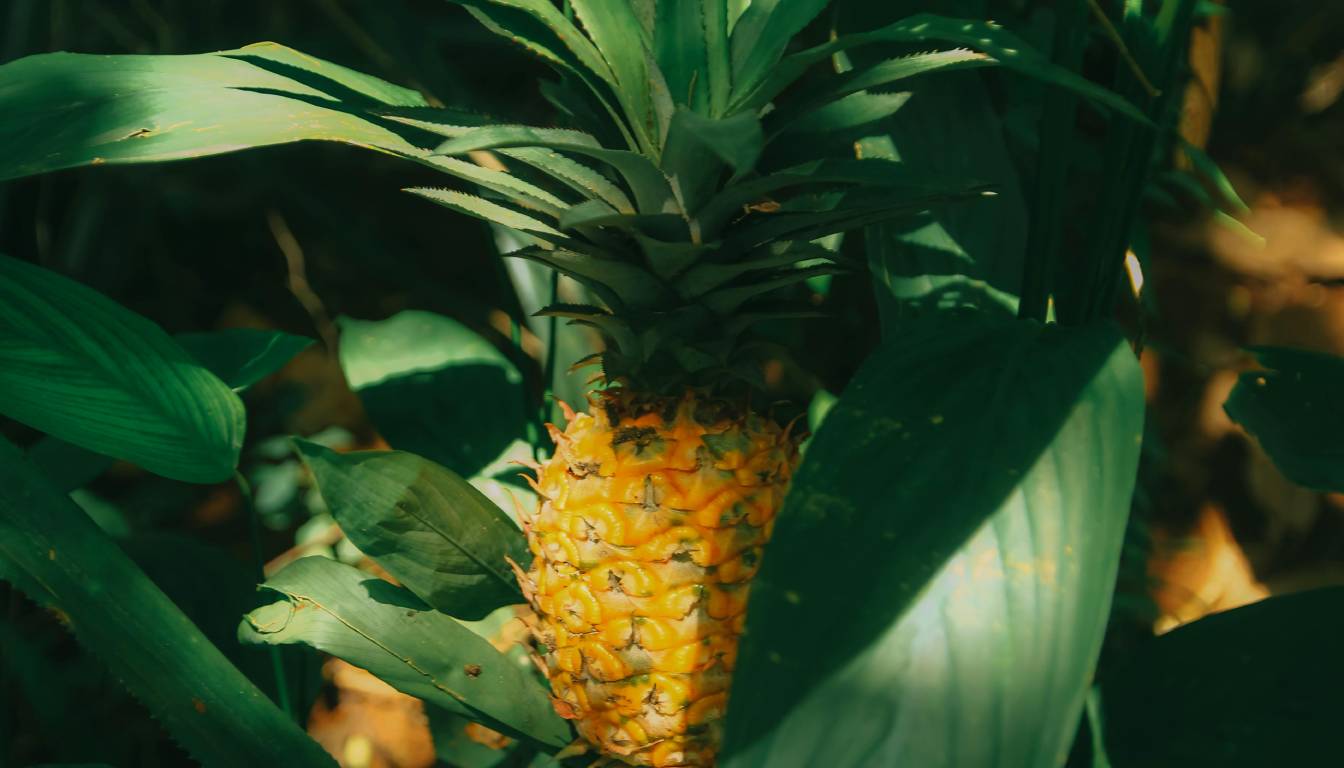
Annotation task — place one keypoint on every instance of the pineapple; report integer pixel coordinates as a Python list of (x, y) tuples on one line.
[(653, 518), (704, 182)]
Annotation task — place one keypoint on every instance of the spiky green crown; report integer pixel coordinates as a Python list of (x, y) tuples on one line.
[(705, 165)]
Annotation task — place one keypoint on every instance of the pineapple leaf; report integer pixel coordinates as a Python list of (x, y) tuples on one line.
[(969, 494), (561, 30), (573, 174), (80, 367), (698, 148), (595, 317), (852, 111), (727, 301), (518, 191), (623, 44), (1005, 48), (387, 630), (706, 276), (650, 187), (483, 209), (435, 533), (818, 175), (880, 74), (691, 46), (54, 552), (762, 33), (618, 283)]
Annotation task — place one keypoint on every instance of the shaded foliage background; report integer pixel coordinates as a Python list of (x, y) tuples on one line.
[(294, 237)]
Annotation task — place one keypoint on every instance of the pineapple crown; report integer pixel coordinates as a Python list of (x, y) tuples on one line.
[(703, 165)]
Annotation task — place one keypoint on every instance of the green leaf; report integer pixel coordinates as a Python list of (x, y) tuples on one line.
[(881, 74), (1005, 48), (1246, 688), (1293, 409), (243, 356), (386, 630), (80, 367), (852, 111), (56, 554), (575, 175), (699, 148), (650, 187), (968, 496), (761, 35), (625, 284), (63, 110), (690, 44), (621, 40), (483, 209), (949, 130), (429, 528), (434, 387)]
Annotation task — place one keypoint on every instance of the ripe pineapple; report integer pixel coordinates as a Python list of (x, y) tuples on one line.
[(704, 178), (653, 518)]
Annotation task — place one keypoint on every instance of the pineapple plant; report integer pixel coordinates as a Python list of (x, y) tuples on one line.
[(709, 150)]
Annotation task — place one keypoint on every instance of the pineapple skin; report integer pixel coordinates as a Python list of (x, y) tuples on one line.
[(652, 521)]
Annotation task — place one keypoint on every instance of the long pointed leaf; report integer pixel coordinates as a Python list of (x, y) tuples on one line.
[(51, 549)]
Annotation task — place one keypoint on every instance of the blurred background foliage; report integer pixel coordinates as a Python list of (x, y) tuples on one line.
[(317, 240)]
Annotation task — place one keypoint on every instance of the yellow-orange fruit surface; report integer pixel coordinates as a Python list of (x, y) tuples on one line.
[(651, 525)]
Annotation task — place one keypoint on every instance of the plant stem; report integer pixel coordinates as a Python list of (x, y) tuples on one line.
[(254, 525)]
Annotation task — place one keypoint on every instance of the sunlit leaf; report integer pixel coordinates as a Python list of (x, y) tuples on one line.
[(967, 495), (64, 109)]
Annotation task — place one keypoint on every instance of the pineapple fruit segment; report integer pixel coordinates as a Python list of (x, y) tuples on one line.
[(653, 516)]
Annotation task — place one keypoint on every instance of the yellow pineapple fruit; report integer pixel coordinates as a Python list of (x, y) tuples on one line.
[(652, 520)]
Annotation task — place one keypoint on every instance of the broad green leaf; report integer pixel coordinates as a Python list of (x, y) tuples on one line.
[(243, 356), (240, 357), (429, 528), (434, 387), (386, 630), (967, 495), (63, 109), (80, 367), (1293, 408), (1250, 687), (52, 551)]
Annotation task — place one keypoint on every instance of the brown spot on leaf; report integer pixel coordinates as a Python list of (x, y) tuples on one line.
[(472, 670), (198, 705)]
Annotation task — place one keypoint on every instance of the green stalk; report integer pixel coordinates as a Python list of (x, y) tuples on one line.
[(1056, 137), (254, 526)]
